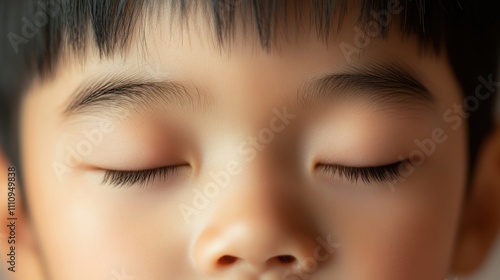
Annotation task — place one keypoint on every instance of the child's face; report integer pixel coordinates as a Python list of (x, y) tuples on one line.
[(258, 140)]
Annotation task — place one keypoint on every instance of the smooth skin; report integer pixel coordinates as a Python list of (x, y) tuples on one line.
[(273, 217)]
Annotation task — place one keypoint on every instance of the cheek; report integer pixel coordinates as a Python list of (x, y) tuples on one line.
[(408, 233), (100, 232), (400, 245)]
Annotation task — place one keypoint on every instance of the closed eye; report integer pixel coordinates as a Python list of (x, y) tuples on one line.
[(370, 174), (119, 178)]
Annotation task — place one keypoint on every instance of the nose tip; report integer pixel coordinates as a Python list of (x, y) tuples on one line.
[(249, 248)]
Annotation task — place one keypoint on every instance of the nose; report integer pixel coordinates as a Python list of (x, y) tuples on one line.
[(260, 225)]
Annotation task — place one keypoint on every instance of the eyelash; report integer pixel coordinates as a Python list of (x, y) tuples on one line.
[(141, 177), (372, 174)]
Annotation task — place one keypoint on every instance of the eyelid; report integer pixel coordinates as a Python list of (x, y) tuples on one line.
[(126, 178), (369, 174)]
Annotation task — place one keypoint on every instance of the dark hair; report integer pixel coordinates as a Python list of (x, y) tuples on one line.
[(466, 28)]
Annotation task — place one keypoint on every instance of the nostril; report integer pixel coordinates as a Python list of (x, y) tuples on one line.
[(286, 259), (227, 260)]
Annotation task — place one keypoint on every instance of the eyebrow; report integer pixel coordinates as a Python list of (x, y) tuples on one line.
[(121, 92), (390, 84), (385, 84)]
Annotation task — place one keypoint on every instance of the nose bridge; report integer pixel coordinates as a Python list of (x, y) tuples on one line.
[(263, 194), (259, 222), (257, 195)]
